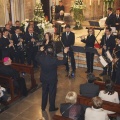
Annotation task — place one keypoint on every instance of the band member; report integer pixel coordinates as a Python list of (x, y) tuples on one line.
[(48, 75), (7, 45), (110, 21), (108, 44), (90, 41), (32, 49), (68, 40), (60, 7), (116, 56), (117, 20), (49, 42), (19, 46)]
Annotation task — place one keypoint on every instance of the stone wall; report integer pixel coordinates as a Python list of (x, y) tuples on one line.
[(93, 11)]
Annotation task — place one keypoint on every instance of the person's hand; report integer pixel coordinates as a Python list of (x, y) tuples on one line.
[(32, 40), (20, 43), (42, 48), (117, 23), (21, 40), (66, 49), (11, 44), (104, 47)]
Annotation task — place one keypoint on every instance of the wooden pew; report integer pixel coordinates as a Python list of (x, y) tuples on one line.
[(8, 81), (106, 105), (27, 69), (57, 117), (102, 86)]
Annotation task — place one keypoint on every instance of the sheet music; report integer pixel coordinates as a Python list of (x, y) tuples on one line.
[(60, 22), (109, 56), (102, 61)]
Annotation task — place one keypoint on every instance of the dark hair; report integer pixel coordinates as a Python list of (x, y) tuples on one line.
[(109, 88), (110, 9), (50, 51), (67, 26), (91, 28), (17, 21), (49, 34), (108, 28), (17, 28), (91, 78), (5, 30)]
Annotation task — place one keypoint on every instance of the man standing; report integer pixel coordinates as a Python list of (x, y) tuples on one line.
[(108, 44), (117, 20), (68, 40), (110, 21), (48, 75)]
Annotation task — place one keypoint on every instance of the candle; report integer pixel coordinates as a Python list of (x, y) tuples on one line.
[(90, 2), (98, 2)]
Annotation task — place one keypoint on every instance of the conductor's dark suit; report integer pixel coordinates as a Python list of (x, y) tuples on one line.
[(48, 77), (68, 41), (31, 48), (110, 45), (90, 41), (89, 90), (110, 21)]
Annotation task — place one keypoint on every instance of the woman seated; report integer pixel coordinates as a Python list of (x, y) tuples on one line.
[(109, 94), (71, 109), (96, 112)]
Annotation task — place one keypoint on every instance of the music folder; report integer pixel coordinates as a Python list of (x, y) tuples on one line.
[(102, 61), (94, 23)]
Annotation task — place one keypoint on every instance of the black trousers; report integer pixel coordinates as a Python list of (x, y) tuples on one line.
[(89, 61), (49, 89), (117, 77), (19, 57), (72, 60), (31, 57), (108, 70)]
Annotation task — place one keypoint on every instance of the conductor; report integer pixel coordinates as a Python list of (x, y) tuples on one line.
[(48, 75)]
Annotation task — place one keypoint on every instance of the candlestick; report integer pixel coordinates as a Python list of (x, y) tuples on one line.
[(98, 2), (90, 2)]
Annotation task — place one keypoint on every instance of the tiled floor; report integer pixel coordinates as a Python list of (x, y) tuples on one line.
[(29, 108)]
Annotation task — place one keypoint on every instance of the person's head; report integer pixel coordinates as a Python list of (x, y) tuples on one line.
[(0, 34), (117, 12), (71, 97), (31, 23), (109, 88), (17, 30), (30, 30), (60, 3), (109, 11), (118, 40), (7, 26), (67, 28), (91, 78), (108, 31), (48, 36), (50, 51), (7, 61), (97, 102), (17, 23), (91, 31), (5, 32), (10, 22)]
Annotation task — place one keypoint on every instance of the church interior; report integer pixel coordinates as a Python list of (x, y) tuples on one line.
[(80, 16)]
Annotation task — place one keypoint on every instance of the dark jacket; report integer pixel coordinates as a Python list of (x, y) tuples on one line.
[(110, 21), (110, 43), (49, 67), (90, 41), (65, 109), (70, 41), (117, 20), (89, 90)]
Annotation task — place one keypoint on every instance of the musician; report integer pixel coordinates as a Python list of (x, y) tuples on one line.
[(117, 20), (110, 21), (108, 44), (116, 61), (7, 46), (49, 42), (68, 40), (30, 39), (48, 75), (90, 41), (60, 15), (60, 7), (19, 46)]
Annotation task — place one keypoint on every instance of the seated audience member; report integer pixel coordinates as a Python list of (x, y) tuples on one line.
[(71, 109), (89, 89), (7, 70), (109, 94), (96, 112), (3, 95)]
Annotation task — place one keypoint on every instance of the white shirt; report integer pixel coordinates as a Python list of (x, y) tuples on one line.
[(96, 114)]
